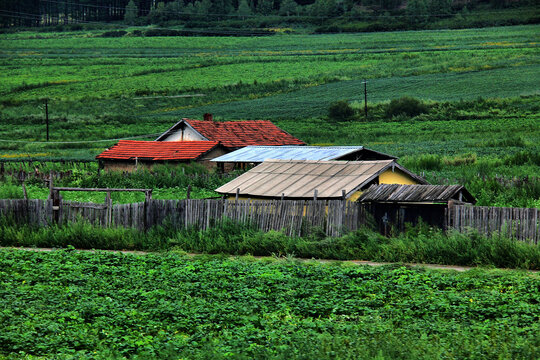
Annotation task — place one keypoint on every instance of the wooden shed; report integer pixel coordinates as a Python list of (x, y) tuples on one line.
[(129, 155), (394, 205), (304, 179)]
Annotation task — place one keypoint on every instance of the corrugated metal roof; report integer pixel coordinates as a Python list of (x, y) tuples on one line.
[(257, 154), (415, 193), (299, 179)]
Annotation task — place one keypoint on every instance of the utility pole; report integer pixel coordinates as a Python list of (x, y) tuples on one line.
[(47, 117), (365, 97)]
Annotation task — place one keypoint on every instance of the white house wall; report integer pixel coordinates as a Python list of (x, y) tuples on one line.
[(187, 134)]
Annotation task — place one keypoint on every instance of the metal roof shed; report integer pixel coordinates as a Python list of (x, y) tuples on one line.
[(298, 179), (258, 154)]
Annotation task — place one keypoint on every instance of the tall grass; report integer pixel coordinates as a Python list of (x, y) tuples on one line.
[(419, 245)]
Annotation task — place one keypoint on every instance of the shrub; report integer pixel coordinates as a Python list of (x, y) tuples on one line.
[(341, 111), (113, 34), (406, 106), (162, 32), (523, 157)]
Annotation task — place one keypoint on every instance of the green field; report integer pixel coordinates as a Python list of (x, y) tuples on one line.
[(480, 128), (481, 86), (100, 305)]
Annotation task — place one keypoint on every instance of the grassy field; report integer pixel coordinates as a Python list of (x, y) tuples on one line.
[(100, 305), (83, 74), (481, 86)]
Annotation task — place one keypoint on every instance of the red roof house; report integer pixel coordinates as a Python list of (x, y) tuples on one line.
[(231, 134), (129, 154)]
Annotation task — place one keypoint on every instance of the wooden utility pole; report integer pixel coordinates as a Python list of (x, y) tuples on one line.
[(365, 97), (47, 116)]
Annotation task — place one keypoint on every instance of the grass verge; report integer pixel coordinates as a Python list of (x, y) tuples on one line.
[(418, 245)]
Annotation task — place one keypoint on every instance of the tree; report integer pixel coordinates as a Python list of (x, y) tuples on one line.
[(265, 7), (288, 7), (158, 14), (341, 111), (221, 7), (131, 13), (407, 106), (417, 11), (203, 7), (243, 9), (440, 7), (324, 8)]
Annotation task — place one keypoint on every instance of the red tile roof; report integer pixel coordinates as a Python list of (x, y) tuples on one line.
[(158, 150), (244, 133), (235, 134)]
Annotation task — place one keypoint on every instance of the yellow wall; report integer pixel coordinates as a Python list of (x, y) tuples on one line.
[(396, 177), (355, 196)]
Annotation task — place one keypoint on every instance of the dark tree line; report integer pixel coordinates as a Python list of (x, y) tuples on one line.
[(27, 13), (52, 12)]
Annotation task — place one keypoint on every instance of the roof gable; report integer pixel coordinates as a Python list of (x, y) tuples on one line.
[(158, 150), (236, 134), (299, 179)]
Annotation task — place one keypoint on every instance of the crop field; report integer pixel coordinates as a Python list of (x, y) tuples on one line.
[(481, 86), (83, 74), (481, 128), (100, 305)]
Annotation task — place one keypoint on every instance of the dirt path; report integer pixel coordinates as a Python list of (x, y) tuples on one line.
[(324, 261)]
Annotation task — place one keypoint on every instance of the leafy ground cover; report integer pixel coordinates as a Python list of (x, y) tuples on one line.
[(68, 304)]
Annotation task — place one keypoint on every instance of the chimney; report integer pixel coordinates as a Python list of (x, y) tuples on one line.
[(208, 117)]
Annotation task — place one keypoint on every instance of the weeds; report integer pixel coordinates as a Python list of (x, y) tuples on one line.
[(418, 245)]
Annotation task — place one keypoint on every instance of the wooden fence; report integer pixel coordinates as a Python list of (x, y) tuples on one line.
[(293, 217), (515, 223), (334, 217)]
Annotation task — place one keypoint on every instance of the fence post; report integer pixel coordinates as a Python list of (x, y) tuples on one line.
[(147, 208), (56, 205), (108, 213)]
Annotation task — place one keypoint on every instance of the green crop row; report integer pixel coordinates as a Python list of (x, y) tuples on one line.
[(67, 304)]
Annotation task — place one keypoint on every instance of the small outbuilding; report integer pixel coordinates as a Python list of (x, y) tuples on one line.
[(250, 156), (394, 205), (232, 135), (129, 155), (305, 179)]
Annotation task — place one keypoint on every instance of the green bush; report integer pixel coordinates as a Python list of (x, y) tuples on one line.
[(406, 106), (340, 111), (109, 34)]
